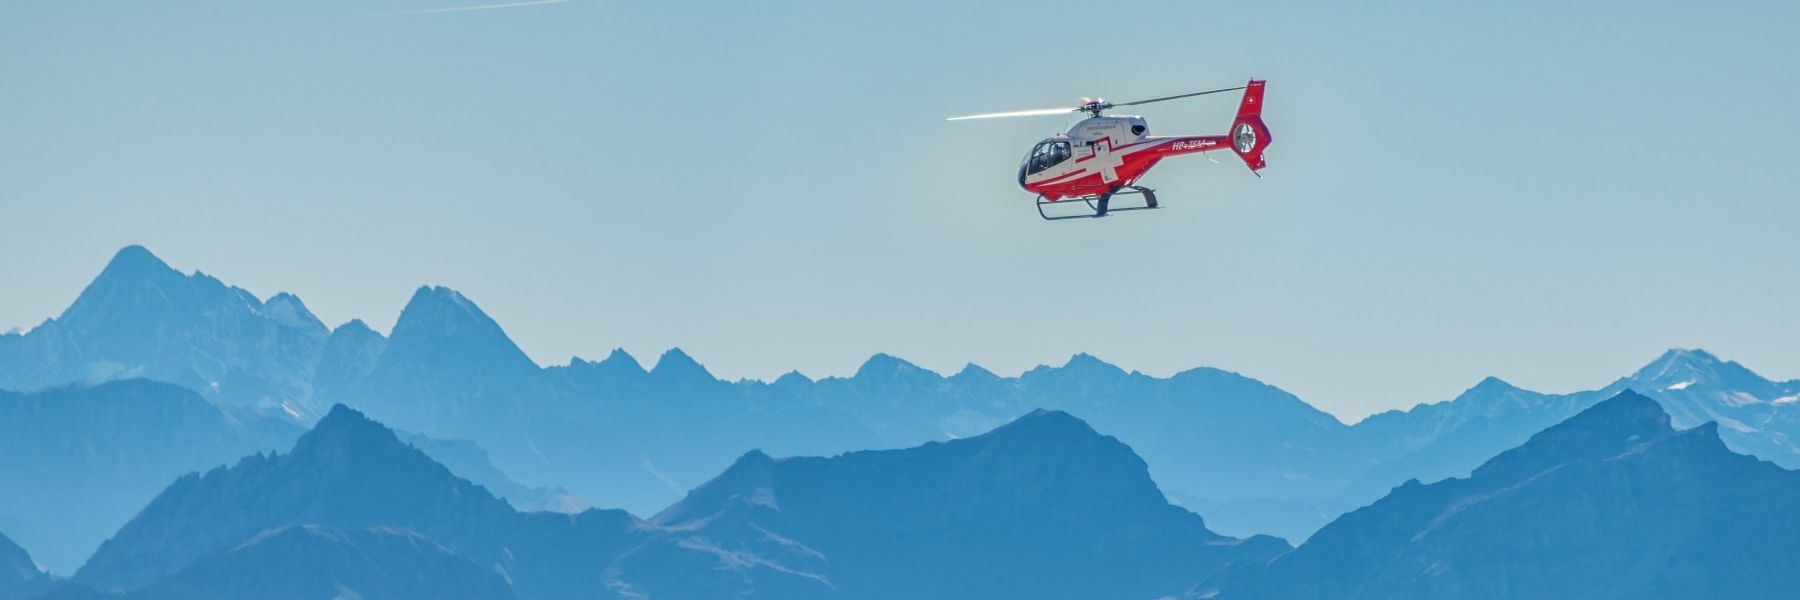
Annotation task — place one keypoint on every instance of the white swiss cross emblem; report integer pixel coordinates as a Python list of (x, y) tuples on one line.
[(1106, 162)]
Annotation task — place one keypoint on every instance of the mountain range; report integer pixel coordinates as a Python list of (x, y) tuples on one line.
[(1253, 458), (1611, 503), (348, 474), (140, 318), (1044, 507), (76, 463)]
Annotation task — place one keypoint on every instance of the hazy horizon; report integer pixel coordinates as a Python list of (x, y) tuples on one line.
[(649, 357)]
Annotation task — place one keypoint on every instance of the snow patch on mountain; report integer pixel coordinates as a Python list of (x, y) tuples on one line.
[(1736, 399)]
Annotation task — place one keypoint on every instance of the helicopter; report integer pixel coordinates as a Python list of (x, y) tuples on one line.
[(1103, 156)]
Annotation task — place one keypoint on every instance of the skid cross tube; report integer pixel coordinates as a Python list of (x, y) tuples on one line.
[(1148, 194)]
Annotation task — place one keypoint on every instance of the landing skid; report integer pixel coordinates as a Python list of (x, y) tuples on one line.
[(1098, 203)]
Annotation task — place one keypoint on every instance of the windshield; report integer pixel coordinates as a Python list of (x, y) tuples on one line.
[(1047, 154)]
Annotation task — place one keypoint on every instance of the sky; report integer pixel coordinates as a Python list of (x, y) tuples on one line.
[(1551, 193)]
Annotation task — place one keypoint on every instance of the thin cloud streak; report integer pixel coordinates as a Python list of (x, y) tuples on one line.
[(433, 11)]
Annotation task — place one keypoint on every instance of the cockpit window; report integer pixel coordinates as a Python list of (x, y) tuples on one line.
[(1046, 155)]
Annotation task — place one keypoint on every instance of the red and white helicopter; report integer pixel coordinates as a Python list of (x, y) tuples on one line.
[(1104, 156)]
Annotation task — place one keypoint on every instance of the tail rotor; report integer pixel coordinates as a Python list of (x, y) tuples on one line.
[(1249, 135)]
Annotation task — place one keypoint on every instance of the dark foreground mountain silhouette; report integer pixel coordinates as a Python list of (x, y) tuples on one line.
[(1042, 507), (311, 562), (19, 577), (1612, 503), (1045, 507), (1251, 457), (377, 562), (348, 473)]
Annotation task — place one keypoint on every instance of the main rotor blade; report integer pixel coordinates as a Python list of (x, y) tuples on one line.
[(1018, 113), (1177, 97)]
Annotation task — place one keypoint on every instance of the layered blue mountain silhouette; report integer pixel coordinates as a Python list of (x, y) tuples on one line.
[(1044, 507), (20, 577), (153, 373), (140, 318), (1250, 456), (310, 562), (347, 475), (76, 463), (1612, 503)]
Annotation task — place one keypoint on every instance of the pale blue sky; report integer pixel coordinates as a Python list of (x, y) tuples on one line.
[(1550, 192)]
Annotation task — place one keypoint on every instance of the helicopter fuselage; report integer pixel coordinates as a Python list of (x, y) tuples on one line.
[(1103, 153)]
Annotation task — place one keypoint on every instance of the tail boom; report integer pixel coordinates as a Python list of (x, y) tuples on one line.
[(1248, 136)]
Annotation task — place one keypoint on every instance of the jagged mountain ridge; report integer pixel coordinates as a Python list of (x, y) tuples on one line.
[(1047, 491), (1756, 416), (79, 462), (140, 318), (469, 461), (1694, 386), (347, 473), (450, 372), (1064, 511), (620, 435), (1612, 503)]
